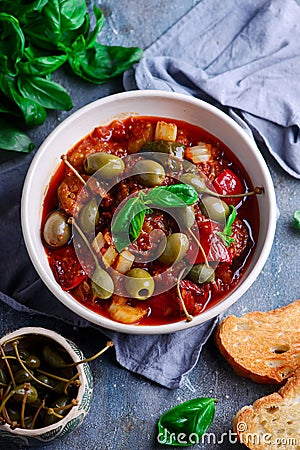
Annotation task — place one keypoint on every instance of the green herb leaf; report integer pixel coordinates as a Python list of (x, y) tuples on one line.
[(12, 43), (297, 220), (13, 139), (45, 93), (226, 233), (184, 424), (42, 65), (173, 196)]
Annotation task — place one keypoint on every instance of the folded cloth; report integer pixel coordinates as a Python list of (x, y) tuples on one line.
[(243, 57), (165, 359)]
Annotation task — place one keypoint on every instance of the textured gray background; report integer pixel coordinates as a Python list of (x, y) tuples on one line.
[(126, 407)]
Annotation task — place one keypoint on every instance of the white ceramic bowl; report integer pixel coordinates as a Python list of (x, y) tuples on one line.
[(76, 415), (145, 103)]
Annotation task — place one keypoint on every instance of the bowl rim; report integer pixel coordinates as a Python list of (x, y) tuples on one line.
[(65, 343), (208, 314)]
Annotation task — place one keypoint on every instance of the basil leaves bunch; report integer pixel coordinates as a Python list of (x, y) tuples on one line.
[(184, 424), (38, 37), (129, 221)]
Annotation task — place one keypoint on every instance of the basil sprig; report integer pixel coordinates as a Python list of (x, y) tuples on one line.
[(184, 424), (297, 220), (226, 233), (129, 221), (37, 38)]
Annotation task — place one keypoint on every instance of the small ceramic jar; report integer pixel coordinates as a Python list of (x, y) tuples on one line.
[(75, 416)]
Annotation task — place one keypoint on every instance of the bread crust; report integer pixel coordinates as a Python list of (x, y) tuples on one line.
[(262, 346), (272, 421)]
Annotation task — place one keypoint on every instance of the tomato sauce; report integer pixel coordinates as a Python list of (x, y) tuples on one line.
[(127, 137)]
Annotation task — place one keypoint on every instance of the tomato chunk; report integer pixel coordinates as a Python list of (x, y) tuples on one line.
[(228, 183), (66, 268)]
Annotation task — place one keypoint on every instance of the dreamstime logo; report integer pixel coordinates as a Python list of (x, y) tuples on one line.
[(94, 195), (230, 437)]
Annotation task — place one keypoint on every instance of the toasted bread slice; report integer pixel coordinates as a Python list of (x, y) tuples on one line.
[(273, 421), (263, 346)]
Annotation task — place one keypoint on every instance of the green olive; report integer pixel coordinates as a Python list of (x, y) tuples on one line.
[(20, 390), (150, 173), (215, 209), (32, 362), (57, 232), (22, 376), (185, 217), (175, 250), (139, 284), (168, 147), (53, 357), (201, 274), (196, 181), (102, 284), (110, 166), (89, 216)]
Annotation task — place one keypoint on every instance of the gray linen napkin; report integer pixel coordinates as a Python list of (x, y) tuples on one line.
[(244, 57), (165, 359)]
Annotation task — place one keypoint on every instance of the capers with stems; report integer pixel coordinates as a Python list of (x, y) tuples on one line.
[(185, 217), (22, 376), (196, 181), (57, 232), (139, 284), (214, 208), (25, 390), (201, 274), (89, 216), (176, 248), (149, 173), (109, 166)]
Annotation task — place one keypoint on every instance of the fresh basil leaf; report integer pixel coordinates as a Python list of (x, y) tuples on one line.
[(33, 113), (11, 138), (297, 220), (99, 63), (226, 233), (184, 424), (91, 38), (12, 43), (173, 196), (41, 66), (72, 13), (46, 93)]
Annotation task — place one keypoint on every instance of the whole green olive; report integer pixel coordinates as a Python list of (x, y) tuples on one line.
[(196, 181), (214, 208), (139, 284), (176, 248), (185, 217), (168, 147), (20, 390), (110, 166), (32, 362), (201, 274), (52, 357), (57, 232), (89, 216), (150, 173), (22, 376), (102, 284)]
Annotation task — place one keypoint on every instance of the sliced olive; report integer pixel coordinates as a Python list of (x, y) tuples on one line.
[(110, 166), (196, 181), (168, 147), (32, 394), (57, 232), (89, 216), (215, 209), (176, 248), (52, 357), (201, 274), (22, 376), (102, 284), (150, 173), (139, 284), (185, 217)]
